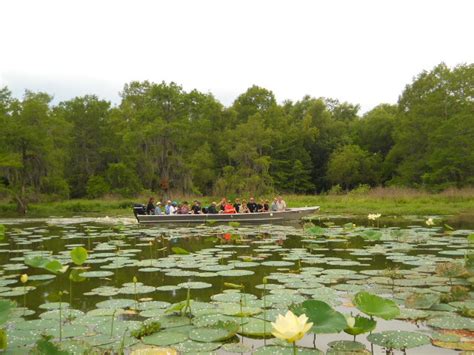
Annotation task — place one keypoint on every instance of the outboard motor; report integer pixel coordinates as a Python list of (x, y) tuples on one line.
[(139, 209)]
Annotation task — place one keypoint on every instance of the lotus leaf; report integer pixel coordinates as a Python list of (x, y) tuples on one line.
[(285, 350), (361, 325), (421, 300), (398, 339), (452, 322), (164, 338), (196, 348), (376, 306), (79, 255), (324, 318)]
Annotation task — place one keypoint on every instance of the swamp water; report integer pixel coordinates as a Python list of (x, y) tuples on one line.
[(142, 274)]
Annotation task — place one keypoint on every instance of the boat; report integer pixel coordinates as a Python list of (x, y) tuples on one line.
[(290, 214)]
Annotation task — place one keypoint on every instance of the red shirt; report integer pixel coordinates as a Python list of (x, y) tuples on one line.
[(228, 208)]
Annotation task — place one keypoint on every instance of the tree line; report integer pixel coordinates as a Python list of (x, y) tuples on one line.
[(163, 139)]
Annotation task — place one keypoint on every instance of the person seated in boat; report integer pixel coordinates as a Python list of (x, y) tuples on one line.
[(221, 204), (266, 206), (150, 207), (212, 209), (158, 208), (243, 207), (169, 208), (260, 206), (196, 208), (237, 205), (252, 205), (184, 209), (174, 207), (274, 207), (229, 208), (280, 204)]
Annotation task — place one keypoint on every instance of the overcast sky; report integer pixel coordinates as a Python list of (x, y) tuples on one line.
[(360, 51)]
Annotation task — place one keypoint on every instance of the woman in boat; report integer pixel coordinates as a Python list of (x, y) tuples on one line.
[(184, 209), (266, 206), (229, 208), (243, 207), (150, 207), (158, 208)]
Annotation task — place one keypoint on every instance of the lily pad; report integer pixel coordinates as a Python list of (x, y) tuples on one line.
[(376, 306), (398, 339)]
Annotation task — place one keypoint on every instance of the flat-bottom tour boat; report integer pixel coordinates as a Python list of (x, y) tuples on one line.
[(290, 214)]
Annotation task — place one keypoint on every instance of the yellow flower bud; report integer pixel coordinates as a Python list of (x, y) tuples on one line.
[(135, 280), (24, 278)]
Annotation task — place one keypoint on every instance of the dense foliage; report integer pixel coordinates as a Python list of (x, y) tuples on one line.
[(161, 138)]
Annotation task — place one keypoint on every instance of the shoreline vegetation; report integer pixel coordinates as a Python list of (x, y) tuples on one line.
[(387, 201)]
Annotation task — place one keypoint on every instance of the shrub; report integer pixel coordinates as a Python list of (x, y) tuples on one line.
[(97, 187)]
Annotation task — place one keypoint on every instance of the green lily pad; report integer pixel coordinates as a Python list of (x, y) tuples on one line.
[(398, 339), (324, 318), (99, 274), (285, 350), (376, 306), (164, 338)]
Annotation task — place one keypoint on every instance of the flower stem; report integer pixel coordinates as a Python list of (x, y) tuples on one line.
[(294, 348)]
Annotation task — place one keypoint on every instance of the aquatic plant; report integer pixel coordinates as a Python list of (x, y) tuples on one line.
[(291, 328)]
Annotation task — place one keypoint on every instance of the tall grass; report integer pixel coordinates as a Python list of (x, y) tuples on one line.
[(388, 201)]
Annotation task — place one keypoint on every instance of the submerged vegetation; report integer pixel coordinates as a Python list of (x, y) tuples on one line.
[(329, 287), (163, 140)]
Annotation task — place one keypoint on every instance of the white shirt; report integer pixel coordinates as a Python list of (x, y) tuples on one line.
[(281, 205)]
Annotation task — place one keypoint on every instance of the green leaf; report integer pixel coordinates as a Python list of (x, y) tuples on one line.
[(79, 255), (361, 325), (55, 267), (75, 275), (180, 251), (324, 318), (5, 309), (376, 306), (2, 232), (397, 339), (37, 261), (3, 339), (46, 347), (421, 300)]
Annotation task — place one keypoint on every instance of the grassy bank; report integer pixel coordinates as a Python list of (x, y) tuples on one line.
[(388, 201)]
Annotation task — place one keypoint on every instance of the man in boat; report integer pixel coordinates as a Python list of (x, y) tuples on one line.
[(168, 207), (252, 206), (196, 208), (280, 204)]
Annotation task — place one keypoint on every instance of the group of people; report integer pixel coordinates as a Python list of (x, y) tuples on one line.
[(224, 206)]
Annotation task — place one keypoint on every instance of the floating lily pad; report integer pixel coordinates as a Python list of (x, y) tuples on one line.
[(398, 339), (99, 274)]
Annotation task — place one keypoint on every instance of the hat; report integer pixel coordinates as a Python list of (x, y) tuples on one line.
[(175, 203), (158, 203)]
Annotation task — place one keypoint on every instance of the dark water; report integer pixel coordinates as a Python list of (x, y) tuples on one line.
[(58, 237)]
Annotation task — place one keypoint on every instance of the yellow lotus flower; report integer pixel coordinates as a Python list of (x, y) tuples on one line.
[(290, 327), (24, 278), (135, 280), (429, 222)]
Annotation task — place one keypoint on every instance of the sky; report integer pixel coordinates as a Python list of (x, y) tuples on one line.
[(363, 52)]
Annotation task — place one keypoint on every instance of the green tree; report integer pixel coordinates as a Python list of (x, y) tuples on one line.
[(434, 99), (350, 166), (89, 135)]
